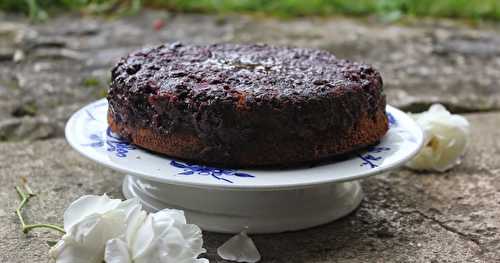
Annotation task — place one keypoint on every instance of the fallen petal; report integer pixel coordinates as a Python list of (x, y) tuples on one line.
[(239, 248)]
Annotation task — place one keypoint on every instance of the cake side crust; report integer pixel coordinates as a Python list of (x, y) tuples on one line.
[(367, 131)]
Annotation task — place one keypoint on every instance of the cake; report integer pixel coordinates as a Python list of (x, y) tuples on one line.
[(245, 105)]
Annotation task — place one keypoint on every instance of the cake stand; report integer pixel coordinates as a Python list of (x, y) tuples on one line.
[(230, 200)]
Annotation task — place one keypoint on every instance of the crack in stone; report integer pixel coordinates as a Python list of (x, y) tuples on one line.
[(449, 228)]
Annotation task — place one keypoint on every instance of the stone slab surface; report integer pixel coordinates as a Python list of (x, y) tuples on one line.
[(49, 70), (404, 217)]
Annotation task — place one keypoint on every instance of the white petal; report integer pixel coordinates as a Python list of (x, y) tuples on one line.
[(175, 214), (184, 239), (182, 242), (194, 260), (86, 239), (135, 219), (86, 230), (128, 206), (117, 252), (239, 248), (144, 237), (98, 229), (194, 238), (87, 205), (165, 237), (67, 251)]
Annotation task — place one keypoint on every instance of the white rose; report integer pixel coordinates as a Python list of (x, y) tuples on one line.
[(89, 223), (160, 237), (445, 141)]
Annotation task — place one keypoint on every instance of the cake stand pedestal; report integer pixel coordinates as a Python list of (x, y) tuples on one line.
[(229, 200), (231, 211)]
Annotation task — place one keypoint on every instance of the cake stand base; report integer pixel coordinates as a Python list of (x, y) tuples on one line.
[(258, 211)]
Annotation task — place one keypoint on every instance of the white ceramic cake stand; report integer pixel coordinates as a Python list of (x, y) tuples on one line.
[(228, 200)]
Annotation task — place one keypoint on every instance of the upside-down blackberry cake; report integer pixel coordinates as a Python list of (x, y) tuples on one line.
[(246, 105)]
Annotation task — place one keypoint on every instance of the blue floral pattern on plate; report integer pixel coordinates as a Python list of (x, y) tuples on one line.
[(90, 116), (391, 119), (371, 158), (216, 173), (114, 143)]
